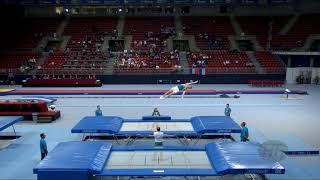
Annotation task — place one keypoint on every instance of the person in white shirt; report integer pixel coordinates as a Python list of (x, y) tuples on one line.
[(158, 137)]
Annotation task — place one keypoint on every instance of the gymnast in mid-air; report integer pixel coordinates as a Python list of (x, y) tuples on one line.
[(176, 89)]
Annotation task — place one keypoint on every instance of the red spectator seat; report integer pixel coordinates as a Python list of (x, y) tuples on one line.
[(269, 63), (220, 27), (238, 62)]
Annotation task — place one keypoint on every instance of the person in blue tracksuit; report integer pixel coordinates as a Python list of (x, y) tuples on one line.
[(43, 146), (98, 111), (227, 110), (244, 135)]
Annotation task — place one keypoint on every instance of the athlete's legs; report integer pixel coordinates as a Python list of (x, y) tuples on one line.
[(169, 93)]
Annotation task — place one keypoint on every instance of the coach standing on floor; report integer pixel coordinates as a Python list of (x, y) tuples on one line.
[(98, 111), (227, 110), (244, 135), (158, 137), (43, 146)]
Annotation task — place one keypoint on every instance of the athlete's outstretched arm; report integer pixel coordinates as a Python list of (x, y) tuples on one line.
[(184, 92), (195, 82)]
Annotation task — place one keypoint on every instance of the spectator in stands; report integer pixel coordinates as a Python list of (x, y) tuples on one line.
[(199, 61), (301, 78), (205, 36), (156, 56), (132, 30), (156, 112), (158, 137), (22, 68), (227, 110), (98, 111), (184, 27), (164, 43), (205, 56), (299, 43), (144, 64), (244, 135), (43, 146)]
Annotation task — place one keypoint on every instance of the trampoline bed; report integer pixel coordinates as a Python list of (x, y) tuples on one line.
[(151, 126), (82, 160), (194, 127), (158, 159)]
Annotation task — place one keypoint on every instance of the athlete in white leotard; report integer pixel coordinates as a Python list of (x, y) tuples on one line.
[(176, 89)]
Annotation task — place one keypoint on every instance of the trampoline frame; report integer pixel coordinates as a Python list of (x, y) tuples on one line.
[(202, 126), (11, 123), (78, 160)]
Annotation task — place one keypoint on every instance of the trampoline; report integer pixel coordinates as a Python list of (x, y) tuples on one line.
[(80, 160), (132, 129), (7, 121)]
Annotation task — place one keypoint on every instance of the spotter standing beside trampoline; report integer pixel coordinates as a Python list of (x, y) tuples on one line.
[(43, 146), (244, 135), (176, 89), (98, 111), (158, 137)]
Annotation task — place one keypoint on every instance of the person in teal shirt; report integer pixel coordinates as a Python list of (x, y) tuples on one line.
[(244, 135), (98, 111), (176, 89), (227, 110), (156, 112), (43, 146)]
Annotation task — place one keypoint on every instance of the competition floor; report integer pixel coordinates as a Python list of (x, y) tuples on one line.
[(294, 121)]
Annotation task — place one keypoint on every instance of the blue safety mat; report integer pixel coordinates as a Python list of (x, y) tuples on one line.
[(201, 125), (215, 124), (241, 158), (100, 124), (76, 156), (7, 121)]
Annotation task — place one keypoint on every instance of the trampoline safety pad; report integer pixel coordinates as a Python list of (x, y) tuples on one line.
[(151, 126), (158, 159)]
